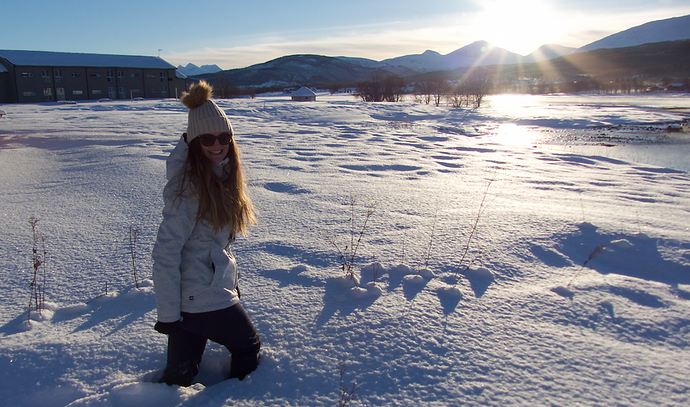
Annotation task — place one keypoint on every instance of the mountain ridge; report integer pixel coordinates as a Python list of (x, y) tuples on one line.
[(190, 69), (481, 53), (669, 29), (300, 69)]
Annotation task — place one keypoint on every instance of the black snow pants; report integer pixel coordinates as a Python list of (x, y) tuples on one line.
[(230, 327)]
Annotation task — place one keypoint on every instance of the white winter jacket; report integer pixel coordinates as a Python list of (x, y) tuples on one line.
[(194, 270)]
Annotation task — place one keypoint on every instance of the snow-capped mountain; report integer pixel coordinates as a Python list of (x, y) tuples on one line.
[(292, 70), (670, 29), (191, 69), (476, 54), (549, 51)]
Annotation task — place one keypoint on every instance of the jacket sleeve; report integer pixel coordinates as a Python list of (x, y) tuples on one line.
[(179, 218)]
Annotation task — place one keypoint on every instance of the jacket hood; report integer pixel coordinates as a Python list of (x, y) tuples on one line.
[(177, 160)]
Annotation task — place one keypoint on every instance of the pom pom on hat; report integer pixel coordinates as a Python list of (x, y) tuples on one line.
[(204, 115)]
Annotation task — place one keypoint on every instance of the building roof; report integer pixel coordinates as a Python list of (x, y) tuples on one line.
[(3, 68), (49, 58), (303, 91)]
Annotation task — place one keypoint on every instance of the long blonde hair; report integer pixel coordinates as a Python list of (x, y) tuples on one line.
[(225, 202)]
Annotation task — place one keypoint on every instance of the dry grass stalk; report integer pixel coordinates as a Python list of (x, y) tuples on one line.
[(349, 254), (346, 395), (480, 212), (597, 250), (38, 291), (133, 250)]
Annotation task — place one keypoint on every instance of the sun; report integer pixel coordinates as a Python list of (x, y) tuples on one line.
[(518, 26)]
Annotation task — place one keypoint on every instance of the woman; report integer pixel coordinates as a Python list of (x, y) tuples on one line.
[(195, 275)]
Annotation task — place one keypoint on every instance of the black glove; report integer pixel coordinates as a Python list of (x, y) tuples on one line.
[(167, 328)]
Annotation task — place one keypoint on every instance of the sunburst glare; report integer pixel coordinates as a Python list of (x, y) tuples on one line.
[(519, 27)]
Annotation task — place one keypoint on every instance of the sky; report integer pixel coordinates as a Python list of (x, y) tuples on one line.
[(236, 34)]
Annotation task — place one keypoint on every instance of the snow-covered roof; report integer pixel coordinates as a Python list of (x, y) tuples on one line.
[(49, 58), (303, 91)]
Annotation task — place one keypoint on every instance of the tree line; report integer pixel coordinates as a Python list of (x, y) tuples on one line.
[(468, 91)]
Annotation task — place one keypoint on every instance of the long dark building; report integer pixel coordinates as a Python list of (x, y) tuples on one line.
[(40, 76)]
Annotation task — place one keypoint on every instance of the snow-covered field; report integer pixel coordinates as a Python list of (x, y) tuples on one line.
[(470, 287)]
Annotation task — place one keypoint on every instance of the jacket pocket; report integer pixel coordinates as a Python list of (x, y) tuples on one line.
[(225, 268)]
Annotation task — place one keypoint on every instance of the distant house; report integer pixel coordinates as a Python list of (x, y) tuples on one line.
[(677, 87), (41, 76), (304, 94)]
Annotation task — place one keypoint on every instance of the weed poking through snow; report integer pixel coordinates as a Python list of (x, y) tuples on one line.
[(133, 250), (375, 268), (480, 212), (349, 254), (431, 241), (346, 395), (100, 295), (38, 289), (597, 250)]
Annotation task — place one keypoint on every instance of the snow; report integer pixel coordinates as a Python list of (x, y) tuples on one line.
[(72, 59), (469, 285), (303, 91)]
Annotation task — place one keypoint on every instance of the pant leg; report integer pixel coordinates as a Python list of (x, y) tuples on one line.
[(185, 349), (232, 328)]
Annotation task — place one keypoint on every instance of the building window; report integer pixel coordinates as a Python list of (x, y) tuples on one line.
[(164, 76), (96, 92), (58, 76), (75, 74), (153, 91), (111, 92), (45, 74), (122, 91), (27, 74), (109, 75), (48, 93), (150, 75), (120, 76), (164, 92), (77, 92), (29, 93), (60, 93), (137, 91), (96, 74), (134, 75)]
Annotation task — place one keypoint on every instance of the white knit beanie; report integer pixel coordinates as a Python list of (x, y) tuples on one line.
[(204, 115)]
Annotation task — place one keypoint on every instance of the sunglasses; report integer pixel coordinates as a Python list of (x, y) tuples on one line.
[(207, 140)]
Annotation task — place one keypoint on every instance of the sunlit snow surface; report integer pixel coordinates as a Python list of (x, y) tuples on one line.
[(523, 191)]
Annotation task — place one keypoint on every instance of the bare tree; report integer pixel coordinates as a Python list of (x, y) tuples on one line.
[(433, 87), (381, 87), (393, 88), (422, 91), (471, 89)]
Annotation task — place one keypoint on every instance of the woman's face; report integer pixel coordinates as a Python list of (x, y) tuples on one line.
[(215, 152)]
